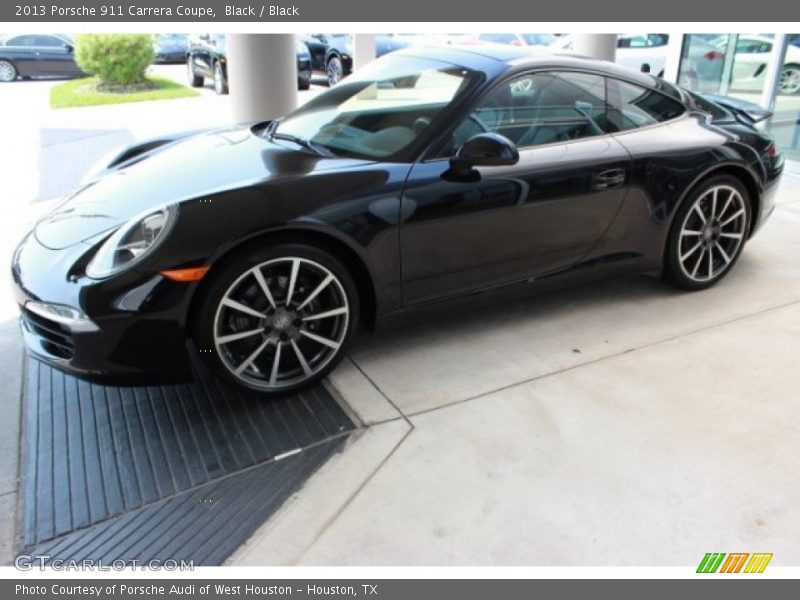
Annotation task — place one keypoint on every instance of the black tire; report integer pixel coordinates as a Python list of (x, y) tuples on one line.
[(193, 78), (790, 79), (334, 70), (719, 260), (220, 81), (8, 71), (303, 84), (233, 278)]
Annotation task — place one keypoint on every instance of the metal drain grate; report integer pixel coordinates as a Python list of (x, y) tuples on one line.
[(204, 525), (94, 452)]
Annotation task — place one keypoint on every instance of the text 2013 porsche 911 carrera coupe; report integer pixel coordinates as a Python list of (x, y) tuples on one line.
[(429, 174)]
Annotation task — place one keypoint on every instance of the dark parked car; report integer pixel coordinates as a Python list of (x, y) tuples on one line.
[(427, 175), (337, 60), (37, 55), (170, 47), (317, 44), (206, 59)]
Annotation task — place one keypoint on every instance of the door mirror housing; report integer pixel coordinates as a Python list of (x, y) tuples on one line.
[(484, 150)]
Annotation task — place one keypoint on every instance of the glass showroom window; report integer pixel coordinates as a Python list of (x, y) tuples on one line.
[(785, 123), (708, 65)]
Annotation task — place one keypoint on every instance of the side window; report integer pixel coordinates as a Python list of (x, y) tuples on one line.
[(748, 46), (47, 41), (634, 41), (633, 106), (657, 40), (21, 40), (539, 108)]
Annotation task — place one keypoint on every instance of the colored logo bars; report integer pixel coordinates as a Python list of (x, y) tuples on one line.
[(714, 562)]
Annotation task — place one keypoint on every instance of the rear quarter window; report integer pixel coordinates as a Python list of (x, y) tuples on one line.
[(633, 106)]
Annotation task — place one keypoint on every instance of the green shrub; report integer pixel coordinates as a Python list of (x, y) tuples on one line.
[(117, 59)]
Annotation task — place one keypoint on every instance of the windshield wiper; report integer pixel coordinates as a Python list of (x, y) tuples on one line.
[(316, 148)]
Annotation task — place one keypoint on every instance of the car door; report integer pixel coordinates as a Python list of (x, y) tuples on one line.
[(750, 62), (55, 56), (503, 224)]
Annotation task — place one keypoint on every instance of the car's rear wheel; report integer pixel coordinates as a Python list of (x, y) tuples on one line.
[(8, 72), (708, 233), (193, 78), (790, 79), (334, 70), (278, 319), (303, 84), (220, 83)]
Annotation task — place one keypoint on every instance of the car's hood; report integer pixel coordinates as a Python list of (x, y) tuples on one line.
[(192, 168)]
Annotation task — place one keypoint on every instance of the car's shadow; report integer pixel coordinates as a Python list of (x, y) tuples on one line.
[(626, 300)]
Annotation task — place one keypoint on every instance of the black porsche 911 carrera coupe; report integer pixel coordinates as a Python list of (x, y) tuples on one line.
[(430, 174)]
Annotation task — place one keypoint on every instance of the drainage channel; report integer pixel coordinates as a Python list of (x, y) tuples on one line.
[(182, 472)]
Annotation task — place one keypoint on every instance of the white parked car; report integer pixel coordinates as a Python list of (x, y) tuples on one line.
[(750, 63)]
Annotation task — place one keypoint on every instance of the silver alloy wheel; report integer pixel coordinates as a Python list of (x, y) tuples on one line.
[(7, 71), (335, 71), (712, 233), (281, 322), (790, 80), (190, 71), (218, 84)]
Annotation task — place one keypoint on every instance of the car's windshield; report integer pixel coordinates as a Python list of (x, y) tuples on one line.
[(380, 111)]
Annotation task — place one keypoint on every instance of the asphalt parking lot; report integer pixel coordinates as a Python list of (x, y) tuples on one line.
[(616, 423)]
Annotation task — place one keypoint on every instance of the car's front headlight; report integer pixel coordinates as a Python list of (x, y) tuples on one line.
[(131, 242)]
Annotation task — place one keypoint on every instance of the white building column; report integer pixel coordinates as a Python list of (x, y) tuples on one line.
[(364, 50), (596, 45), (772, 76), (262, 75)]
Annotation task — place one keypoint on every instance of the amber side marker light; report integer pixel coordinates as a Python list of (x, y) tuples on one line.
[(184, 275)]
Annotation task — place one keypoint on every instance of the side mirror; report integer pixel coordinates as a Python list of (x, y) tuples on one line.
[(645, 68), (68, 48), (484, 149)]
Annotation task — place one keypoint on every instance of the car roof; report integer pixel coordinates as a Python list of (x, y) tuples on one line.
[(484, 56)]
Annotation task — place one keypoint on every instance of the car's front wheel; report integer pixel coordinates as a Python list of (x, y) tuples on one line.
[(8, 72), (790, 79), (708, 233), (278, 319), (220, 83), (193, 78), (335, 70)]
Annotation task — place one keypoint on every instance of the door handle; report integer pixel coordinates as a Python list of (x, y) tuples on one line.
[(609, 179)]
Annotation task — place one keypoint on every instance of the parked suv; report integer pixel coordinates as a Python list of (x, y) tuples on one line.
[(206, 58)]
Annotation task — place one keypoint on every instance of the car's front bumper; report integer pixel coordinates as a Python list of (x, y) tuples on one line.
[(138, 320)]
